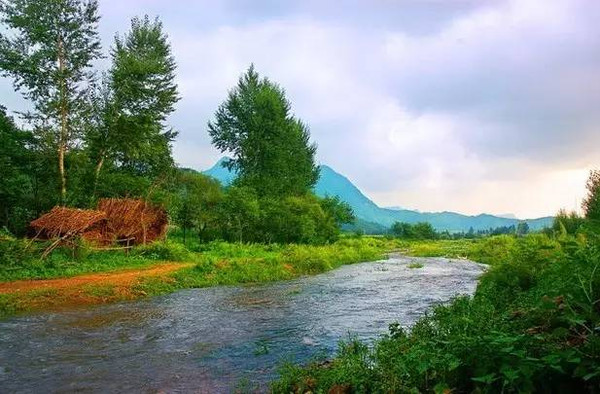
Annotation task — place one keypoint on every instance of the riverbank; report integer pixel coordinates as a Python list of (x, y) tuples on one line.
[(164, 267), (533, 325), (222, 339)]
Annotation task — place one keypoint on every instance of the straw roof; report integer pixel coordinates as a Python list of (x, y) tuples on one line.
[(63, 221), (134, 219), (131, 220)]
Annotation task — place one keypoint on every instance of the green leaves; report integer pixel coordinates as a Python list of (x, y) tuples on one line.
[(48, 49), (270, 148), (591, 204), (138, 95)]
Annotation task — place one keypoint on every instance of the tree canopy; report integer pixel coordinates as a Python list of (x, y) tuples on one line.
[(270, 148), (591, 204), (48, 52)]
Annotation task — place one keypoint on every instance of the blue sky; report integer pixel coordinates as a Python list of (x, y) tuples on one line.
[(469, 106)]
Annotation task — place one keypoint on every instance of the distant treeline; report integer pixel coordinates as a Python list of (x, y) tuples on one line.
[(424, 230)]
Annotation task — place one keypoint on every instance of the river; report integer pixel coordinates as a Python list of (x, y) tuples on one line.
[(213, 340)]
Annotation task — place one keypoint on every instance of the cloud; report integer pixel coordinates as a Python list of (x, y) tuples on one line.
[(469, 106)]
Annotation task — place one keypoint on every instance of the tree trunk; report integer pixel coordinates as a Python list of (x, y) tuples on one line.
[(63, 134), (240, 228), (99, 165)]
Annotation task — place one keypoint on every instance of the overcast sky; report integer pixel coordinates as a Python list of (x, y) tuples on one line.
[(469, 106)]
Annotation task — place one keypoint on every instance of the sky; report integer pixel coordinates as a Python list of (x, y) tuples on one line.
[(437, 105)]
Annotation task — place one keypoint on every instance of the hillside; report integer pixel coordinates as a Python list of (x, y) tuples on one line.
[(372, 217)]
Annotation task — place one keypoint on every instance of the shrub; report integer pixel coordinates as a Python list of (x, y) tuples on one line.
[(13, 251), (163, 250)]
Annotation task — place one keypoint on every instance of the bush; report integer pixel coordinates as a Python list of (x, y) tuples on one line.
[(297, 220), (163, 250), (493, 250)]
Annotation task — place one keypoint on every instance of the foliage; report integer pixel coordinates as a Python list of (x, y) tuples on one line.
[(422, 230), (591, 204), (297, 220), (15, 179), (522, 228), (143, 94), (197, 198), (532, 325), (340, 211), (567, 223), (49, 56), (270, 147), (240, 214)]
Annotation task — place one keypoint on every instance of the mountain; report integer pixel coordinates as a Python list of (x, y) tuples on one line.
[(221, 173), (374, 218)]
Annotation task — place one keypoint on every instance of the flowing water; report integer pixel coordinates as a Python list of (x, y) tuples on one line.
[(215, 339)]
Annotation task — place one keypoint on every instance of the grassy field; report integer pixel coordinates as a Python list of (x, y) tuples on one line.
[(533, 325)]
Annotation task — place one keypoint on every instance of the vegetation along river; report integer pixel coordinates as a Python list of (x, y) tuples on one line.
[(216, 339)]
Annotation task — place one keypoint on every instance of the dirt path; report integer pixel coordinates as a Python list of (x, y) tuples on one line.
[(118, 278)]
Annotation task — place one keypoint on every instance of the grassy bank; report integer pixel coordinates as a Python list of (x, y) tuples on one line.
[(215, 263), (532, 326), (20, 259)]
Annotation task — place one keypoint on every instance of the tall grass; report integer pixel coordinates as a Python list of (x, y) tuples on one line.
[(19, 259), (216, 263), (223, 263)]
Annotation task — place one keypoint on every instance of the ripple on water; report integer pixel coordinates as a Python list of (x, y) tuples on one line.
[(206, 340)]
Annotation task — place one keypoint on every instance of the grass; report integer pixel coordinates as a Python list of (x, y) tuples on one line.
[(227, 264), (415, 265), (215, 263), (533, 325), (461, 248), (21, 261), (491, 250)]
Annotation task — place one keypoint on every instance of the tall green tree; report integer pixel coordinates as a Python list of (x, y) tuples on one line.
[(270, 148), (140, 94), (591, 204), (48, 49)]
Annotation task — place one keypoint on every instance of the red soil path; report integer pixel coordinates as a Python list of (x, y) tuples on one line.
[(124, 278)]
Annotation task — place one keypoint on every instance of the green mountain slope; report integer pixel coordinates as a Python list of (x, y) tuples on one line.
[(332, 183)]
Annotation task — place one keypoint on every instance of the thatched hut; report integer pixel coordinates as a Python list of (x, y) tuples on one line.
[(65, 223), (126, 221), (136, 221)]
